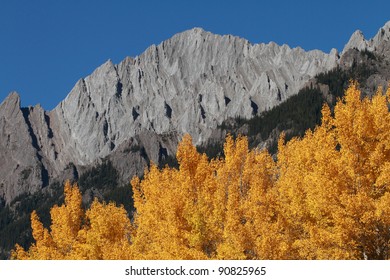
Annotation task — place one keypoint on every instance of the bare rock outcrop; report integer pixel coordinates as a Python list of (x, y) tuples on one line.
[(379, 43), (20, 167), (187, 84)]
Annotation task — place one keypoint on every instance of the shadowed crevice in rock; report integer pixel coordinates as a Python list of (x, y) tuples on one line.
[(255, 108), (34, 141), (47, 120), (168, 110), (112, 146), (44, 175), (162, 153), (202, 112), (227, 100), (119, 88), (105, 129), (279, 96), (135, 114)]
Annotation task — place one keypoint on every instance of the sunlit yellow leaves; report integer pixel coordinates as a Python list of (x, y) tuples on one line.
[(66, 219), (103, 232), (333, 183), (325, 196), (223, 208)]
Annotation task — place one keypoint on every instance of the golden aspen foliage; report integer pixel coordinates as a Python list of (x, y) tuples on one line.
[(42, 249), (102, 232), (334, 185), (206, 209), (67, 219), (107, 235), (324, 196), (169, 202)]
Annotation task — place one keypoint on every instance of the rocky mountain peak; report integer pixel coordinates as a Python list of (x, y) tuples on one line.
[(383, 33), (379, 43), (10, 105), (357, 41)]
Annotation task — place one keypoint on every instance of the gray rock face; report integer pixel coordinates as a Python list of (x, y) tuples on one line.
[(379, 43), (188, 84), (376, 63), (20, 167)]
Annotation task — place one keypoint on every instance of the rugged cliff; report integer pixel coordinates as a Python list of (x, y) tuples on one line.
[(189, 83)]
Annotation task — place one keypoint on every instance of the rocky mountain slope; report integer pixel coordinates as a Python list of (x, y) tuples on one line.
[(188, 84)]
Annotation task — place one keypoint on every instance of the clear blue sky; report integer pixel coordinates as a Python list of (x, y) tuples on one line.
[(47, 45)]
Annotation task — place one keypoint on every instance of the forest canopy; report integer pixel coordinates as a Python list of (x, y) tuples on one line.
[(326, 195)]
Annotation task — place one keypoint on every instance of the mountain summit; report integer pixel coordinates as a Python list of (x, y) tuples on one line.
[(379, 43)]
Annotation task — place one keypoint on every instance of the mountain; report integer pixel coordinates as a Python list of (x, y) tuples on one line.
[(124, 116), (188, 84)]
